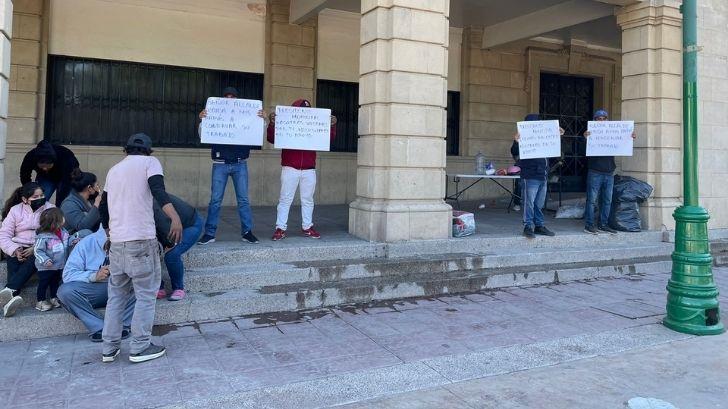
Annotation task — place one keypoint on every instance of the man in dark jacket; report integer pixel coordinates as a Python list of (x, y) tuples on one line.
[(534, 173), (229, 161), (53, 165), (599, 179), (192, 225), (299, 169)]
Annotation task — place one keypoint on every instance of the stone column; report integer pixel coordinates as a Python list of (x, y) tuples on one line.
[(652, 97), (402, 122), (291, 57), (6, 34)]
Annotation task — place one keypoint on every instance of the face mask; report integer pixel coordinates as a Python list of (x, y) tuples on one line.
[(36, 204), (93, 196)]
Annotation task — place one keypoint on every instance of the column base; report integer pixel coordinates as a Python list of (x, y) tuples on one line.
[(392, 221)]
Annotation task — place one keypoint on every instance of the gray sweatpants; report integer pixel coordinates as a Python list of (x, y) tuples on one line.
[(134, 266)]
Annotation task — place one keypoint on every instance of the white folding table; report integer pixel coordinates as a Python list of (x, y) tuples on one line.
[(477, 178)]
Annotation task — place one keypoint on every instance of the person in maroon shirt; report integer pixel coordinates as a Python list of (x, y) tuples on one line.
[(299, 170)]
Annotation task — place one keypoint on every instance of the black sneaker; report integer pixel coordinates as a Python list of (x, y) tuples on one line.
[(206, 239), (528, 232), (110, 357), (152, 352), (591, 230), (250, 238), (543, 231), (607, 229)]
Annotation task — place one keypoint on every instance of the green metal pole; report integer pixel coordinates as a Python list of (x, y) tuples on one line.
[(692, 299)]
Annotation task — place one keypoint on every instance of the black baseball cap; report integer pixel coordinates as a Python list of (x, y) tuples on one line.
[(140, 140)]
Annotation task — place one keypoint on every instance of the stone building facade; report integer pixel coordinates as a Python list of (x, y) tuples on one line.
[(408, 61)]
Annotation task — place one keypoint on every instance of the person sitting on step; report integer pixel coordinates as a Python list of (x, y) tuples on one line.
[(85, 285), (17, 235)]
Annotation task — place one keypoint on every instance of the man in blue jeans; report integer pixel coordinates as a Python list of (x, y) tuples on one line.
[(533, 188), (192, 228), (599, 183), (229, 161), (85, 285)]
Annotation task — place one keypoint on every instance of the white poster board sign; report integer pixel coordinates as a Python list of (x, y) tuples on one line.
[(232, 121), (610, 138), (539, 139), (307, 129)]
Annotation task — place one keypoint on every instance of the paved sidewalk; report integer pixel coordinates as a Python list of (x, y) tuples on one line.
[(407, 345)]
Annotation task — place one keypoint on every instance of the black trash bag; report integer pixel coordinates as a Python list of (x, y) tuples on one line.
[(627, 194), (625, 216), (629, 189)]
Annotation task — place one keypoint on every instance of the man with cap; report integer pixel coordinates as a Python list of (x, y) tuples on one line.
[(53, 165), (299, 170), (534, 173), (599, 183), (229, 161), (127, 213)]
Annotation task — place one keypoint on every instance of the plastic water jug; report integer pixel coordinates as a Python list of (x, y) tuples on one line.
[(480, 163)]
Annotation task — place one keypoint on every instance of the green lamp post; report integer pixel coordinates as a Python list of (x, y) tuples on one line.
[(692, 299)]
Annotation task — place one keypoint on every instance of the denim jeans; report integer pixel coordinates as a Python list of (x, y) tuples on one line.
[(598, 185), (173, 258), (19, 272), (81, 299), (136, 271), (533, 194), (220, 173), (49, 187)]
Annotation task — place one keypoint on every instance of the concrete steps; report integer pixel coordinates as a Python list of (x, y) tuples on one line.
[(233, 279), (304, 274), (719, 249)]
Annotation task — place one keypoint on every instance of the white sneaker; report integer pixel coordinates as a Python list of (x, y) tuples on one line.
[(516, 208), (55, 302), (5, 295), (44, 305), (12, 306)]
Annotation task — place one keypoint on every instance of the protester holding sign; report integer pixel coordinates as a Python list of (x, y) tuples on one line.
[(534, 172), (299, 169), (600, 178), (229, 161)]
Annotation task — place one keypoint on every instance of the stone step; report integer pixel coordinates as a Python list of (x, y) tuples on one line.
[(203, 306), (719, 249), (349, 248), (256, 275)]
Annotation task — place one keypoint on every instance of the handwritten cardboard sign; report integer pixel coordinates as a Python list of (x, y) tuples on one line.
[(539, 139), (232, 121), (610, 138), (307, 129)]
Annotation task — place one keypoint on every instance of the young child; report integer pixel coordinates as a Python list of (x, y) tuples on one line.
[(52, 244), (20, 220)]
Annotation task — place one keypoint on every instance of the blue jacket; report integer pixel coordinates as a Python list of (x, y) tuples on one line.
[(86, 258), (50, 248)]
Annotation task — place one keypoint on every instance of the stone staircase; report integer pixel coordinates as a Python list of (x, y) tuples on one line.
[(233, 279)]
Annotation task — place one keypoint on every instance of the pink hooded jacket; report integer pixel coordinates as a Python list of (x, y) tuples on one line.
[(18, 229)]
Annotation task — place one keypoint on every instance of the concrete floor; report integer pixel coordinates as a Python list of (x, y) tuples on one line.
[(332, 222), (591, 344)]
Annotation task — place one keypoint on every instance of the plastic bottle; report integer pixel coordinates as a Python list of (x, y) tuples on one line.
[(480, 163)]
